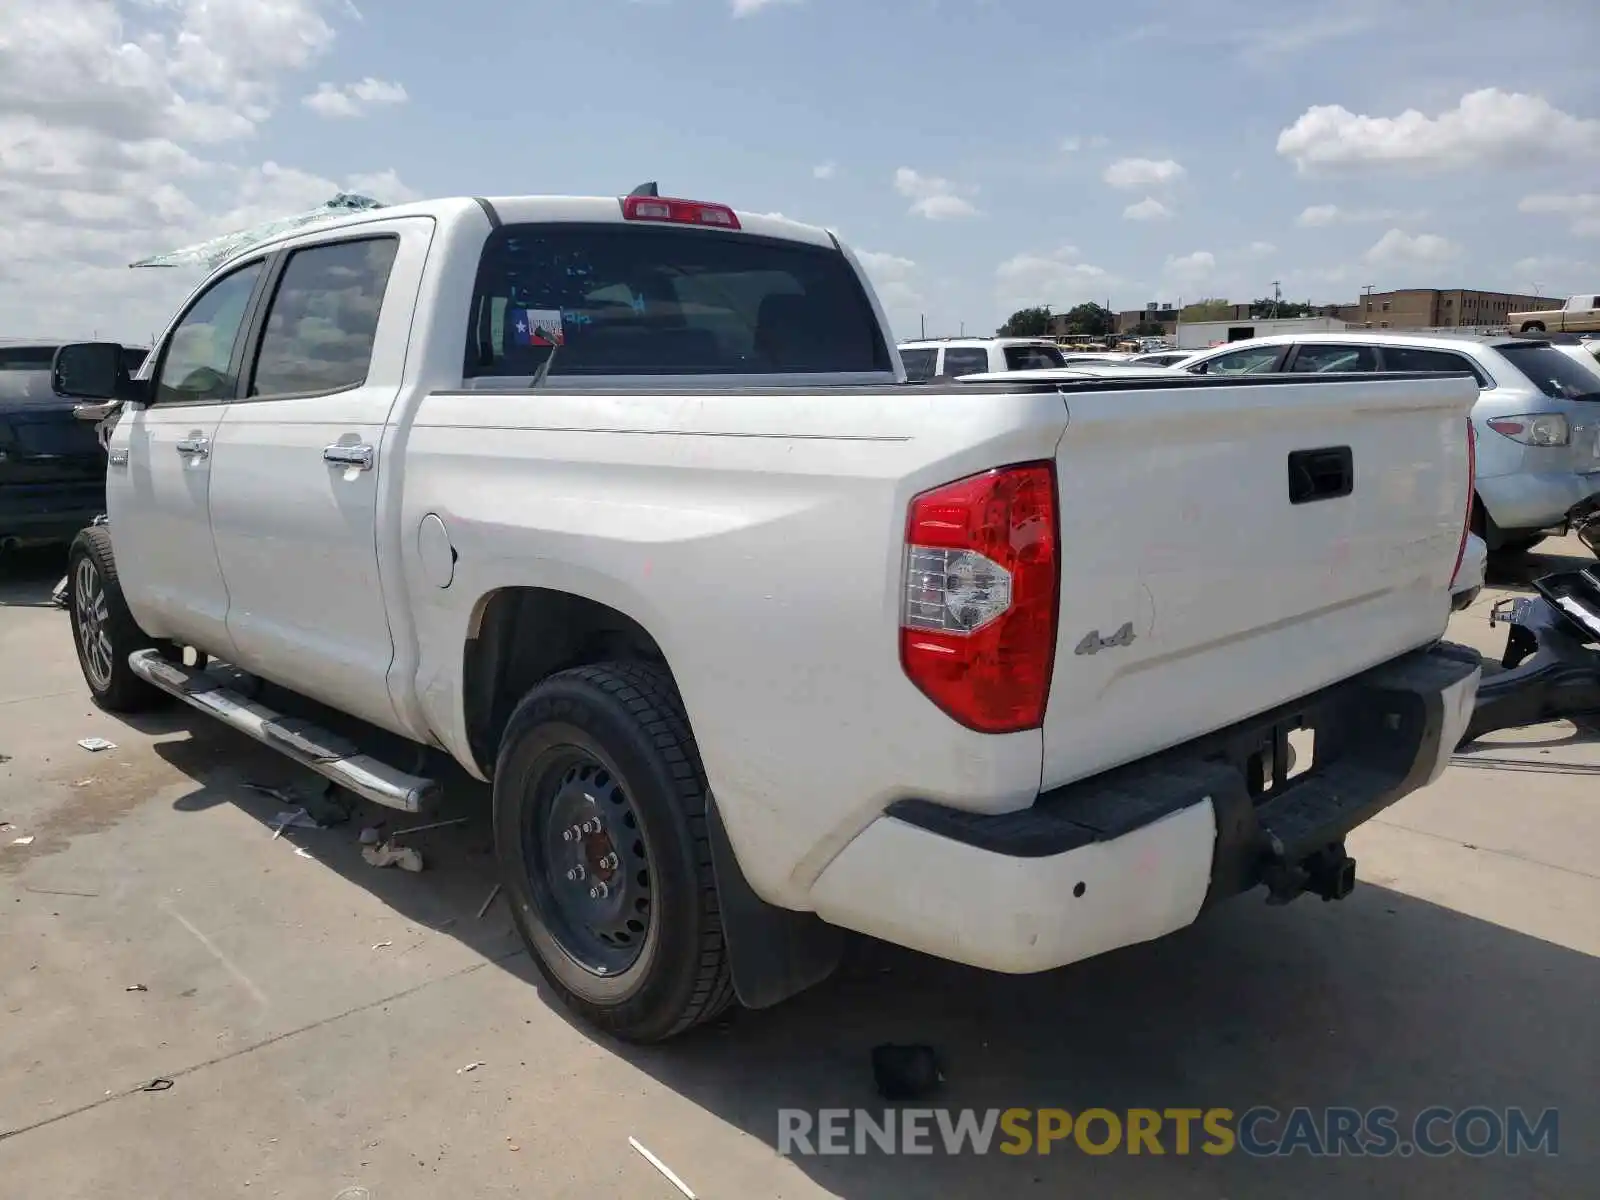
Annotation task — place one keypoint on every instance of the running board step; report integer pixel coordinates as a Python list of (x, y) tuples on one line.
[(316, 749)]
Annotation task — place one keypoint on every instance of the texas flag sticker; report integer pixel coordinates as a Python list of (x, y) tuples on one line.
[(539, 327)]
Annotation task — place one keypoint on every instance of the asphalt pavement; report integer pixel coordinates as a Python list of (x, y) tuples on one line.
[(190, 1006)]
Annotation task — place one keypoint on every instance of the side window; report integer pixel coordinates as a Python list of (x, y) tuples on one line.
[(1033, 358), (320, 329), (966, 360), (919, 364), (1320, 358), (1441, 362), (195, 366), (1258, 360)]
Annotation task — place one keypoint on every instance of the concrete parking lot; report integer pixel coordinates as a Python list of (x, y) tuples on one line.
[(316, 1016)]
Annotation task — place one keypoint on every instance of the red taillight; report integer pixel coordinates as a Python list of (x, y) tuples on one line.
[(679, 212), (1472, 492), (978, 619)]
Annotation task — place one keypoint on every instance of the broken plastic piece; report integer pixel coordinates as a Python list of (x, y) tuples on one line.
[(136, 987), (471, 1066), (492, 894), (665, 1170), (299, 819), (370, 836), (390, 855), (96, 744), (23, 841), (157, 1085)]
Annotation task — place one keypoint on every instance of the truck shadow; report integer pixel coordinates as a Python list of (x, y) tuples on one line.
[(1384, 999), (1517, 572), (27, 577)]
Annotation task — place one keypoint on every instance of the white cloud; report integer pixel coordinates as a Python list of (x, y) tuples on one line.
[(1191, 268), (1143, 172), (111, 119), (1071, 145), (1487, 128), (825, 170), (1261, 248), (1398, 248), (1148, 209), (354, 99), (1582, 209), (1318, 215), (745, 8), (1056, 277), (931, 197), (1560, 274)]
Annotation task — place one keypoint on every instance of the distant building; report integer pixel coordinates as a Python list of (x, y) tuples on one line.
[(1152, 314), (1197, 335), (1436, 308)]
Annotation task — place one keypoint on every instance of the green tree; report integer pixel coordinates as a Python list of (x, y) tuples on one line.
[(1093, 319), (1026, 322), (1210, 308), (1260, 309), (1149, 329)]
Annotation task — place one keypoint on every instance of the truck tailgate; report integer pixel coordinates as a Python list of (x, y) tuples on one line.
[(1230, 547)]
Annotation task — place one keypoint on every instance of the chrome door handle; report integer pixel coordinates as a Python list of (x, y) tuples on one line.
[(199, 447), (349, 456)]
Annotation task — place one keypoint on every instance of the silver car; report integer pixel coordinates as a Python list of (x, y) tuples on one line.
[(1537, 416)]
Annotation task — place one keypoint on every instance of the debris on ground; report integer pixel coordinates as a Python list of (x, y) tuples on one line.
[(371, 836), (78, 783), (23, 841), (435, 825), (6, 826), (666, 1171), (383, 945), (302, 852), (906, 1072), (96, 744), (5, 758), (299, 819), (320, 805), (157, 1085), (39, 891), (470, 1067), (136, 987), (492, 894), (387, 854)]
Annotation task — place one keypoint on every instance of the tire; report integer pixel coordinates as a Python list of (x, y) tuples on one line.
[(1533, 327), (611, 744), (104, 632)]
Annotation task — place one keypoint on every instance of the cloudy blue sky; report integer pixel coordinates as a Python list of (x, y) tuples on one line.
[(982, 154)]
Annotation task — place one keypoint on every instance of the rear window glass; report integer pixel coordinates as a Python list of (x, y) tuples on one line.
[(1320, 358), (966, 360), (1552, 372), (1440, 362), (919, 364), (637, 300), (1033, 358)]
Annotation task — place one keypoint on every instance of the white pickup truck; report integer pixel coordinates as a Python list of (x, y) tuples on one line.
[(625, 505)]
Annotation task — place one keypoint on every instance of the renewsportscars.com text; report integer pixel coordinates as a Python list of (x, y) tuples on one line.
[(1259, 1132)]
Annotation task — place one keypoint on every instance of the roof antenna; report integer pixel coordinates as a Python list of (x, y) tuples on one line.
[(646, 189)]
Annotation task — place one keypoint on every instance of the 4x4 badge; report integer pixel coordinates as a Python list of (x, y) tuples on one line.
[(1093, 643)]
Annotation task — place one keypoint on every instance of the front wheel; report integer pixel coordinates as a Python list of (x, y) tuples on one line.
[(1533, 327), (600, 829), (103, 630)]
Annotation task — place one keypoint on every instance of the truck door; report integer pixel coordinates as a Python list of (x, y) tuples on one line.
[(296, 491), (158, 483)]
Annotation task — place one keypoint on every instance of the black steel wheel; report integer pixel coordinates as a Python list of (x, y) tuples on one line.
[(600, 828)]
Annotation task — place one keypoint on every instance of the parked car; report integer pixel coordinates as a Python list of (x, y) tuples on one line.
[(624, 504), (1537, 416), (938, 358), (1579, 314), (1163, 358), (1586, 353), (52, 470)]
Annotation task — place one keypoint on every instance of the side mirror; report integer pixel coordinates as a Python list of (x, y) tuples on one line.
[(94, 412), (89, 371)]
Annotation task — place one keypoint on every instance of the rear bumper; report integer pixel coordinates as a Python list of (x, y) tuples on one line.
[(1140, 852), (49, 511), (1524, 503)]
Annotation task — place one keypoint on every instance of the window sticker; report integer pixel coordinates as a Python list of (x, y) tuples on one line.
[(540, 327)]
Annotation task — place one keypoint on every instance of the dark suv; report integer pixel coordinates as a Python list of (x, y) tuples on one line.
[(52, 470)]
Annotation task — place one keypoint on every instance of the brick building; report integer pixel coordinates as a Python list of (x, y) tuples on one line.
[(1436, 308)]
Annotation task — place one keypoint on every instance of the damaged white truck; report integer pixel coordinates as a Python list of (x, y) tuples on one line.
[(625, 504)]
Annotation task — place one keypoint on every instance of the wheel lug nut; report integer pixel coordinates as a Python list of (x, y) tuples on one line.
[(599, 892), (610, 862), (575, 874)]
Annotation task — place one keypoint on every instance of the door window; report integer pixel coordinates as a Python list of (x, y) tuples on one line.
[(1321, 358), (198, 362), (1257, 360), (966, 360), (919, 364), (324, 319), (1439, 362)]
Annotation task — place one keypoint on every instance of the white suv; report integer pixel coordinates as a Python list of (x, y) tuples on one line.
[(935, 358)]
